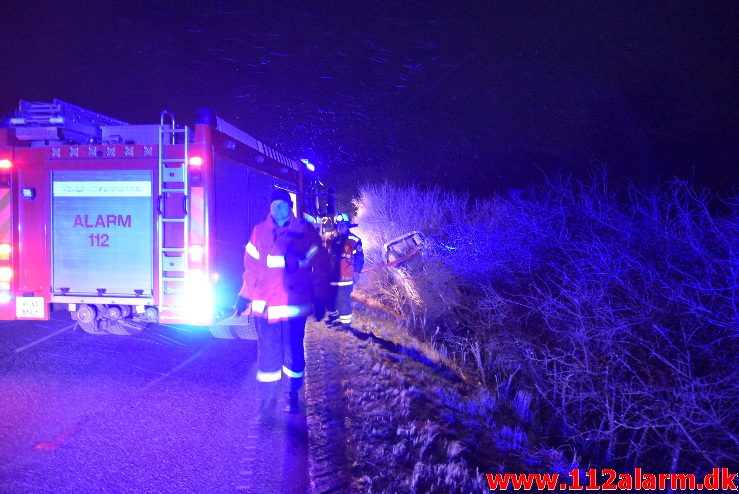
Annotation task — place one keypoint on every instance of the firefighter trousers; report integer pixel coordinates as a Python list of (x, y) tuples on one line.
[(341, 303), (280, 351)]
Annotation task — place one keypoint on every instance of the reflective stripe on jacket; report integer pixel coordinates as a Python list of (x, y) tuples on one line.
[(285, 269)]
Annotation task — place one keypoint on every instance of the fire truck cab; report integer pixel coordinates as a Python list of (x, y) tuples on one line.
[(124, 224)]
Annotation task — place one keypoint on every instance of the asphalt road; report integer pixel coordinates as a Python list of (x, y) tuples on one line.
[(166, 411)]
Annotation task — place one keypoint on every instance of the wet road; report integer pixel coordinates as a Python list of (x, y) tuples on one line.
[(166, 411)]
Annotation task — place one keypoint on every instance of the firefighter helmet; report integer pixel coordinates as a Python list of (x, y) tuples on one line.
[(343, 218)]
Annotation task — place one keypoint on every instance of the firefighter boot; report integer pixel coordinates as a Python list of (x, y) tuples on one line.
[(292, 405), (332, 317), (267, 399)]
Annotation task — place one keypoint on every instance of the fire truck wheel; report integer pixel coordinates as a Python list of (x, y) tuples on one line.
[(86, 313), (114, 312), (151, 314), (87, 316)]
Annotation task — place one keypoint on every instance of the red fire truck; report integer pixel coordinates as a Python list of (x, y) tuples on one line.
[(124, 224)]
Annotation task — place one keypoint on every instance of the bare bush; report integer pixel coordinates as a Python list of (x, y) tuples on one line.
[(617, 311), (641, 307)]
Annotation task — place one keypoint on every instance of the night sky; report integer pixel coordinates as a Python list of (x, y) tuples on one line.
[(479, 96)]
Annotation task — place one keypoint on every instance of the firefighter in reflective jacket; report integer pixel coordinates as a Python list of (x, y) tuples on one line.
[(346, 259), (285, 280)]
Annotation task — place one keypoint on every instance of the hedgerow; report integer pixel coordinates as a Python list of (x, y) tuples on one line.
[(614, 312)]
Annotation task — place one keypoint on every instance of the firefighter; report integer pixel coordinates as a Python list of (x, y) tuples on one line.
[(285, 280), (346, 260)]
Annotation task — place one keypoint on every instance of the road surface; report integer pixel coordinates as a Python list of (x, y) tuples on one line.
[(166, 411)]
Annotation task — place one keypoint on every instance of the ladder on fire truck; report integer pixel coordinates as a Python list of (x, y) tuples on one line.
[(173, 160), (59, 121)]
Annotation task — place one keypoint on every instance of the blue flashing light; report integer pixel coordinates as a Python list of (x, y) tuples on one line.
[(308, 165)]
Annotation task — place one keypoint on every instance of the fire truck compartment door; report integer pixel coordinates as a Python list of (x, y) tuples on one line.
[(102, 232)]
